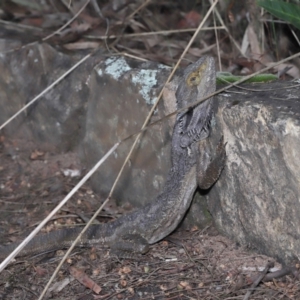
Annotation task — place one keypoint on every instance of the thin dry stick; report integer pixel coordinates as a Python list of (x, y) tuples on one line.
[(141, 34), (128, 156), (262, 32), (45, 90), (23, 26), (134, 57), (258, 280), (295, 36), (217, 42), (57, 208)]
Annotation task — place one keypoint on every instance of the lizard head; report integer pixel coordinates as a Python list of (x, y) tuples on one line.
[(198, 82)]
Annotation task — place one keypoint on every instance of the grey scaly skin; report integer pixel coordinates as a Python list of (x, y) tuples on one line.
[(191, 158)]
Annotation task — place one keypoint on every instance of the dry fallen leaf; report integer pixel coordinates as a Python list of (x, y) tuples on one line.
[(126, 270), (190, 20), (123, 282), (185, 284), (85, 280), (36, 154), (40, 271), (164, 243)]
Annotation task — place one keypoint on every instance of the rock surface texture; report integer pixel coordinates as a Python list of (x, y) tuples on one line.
[(256, 202)]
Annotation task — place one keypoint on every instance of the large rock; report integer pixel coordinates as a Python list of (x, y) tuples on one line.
[(256, 200), (57, 119), (123, 93)]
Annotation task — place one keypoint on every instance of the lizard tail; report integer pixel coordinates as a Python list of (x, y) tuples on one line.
[(52, 241)]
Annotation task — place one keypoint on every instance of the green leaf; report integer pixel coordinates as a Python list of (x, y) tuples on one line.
[(225, 77), (288, 12)]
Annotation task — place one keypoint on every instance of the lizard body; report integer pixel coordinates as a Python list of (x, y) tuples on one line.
[(134, 232)]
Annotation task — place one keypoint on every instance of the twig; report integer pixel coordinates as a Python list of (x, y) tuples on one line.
[(259, 279), (141, 34)]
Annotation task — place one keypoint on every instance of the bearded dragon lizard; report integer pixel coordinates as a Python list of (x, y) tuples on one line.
[(191, 159)]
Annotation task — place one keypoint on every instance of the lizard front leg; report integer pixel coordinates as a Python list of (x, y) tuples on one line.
[(208, 169)]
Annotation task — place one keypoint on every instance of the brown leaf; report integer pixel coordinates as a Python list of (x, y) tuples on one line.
[(185, 284), (85, 280), (126, 270), (123, 282), (40, 271), (36, 154), (191, 20)]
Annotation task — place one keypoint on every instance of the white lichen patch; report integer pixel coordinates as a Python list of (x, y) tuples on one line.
[(146, 79), (116, 67), (163, 67)]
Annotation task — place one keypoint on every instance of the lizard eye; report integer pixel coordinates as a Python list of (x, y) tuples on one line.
[(194, 80)]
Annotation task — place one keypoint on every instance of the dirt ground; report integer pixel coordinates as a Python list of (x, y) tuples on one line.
[(196, 264)]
